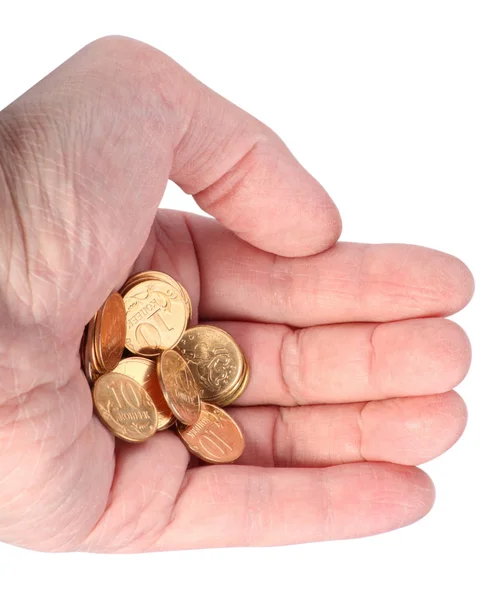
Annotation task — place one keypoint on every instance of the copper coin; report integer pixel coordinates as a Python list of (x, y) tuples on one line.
[(144, 372), (125, 407), (110, 332), (216, 361), (179, 387), (215, 437), (156, 317)]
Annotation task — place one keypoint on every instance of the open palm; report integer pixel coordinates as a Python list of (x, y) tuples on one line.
[(352, 364)]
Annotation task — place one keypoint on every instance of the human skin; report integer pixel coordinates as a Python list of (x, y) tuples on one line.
[(353, 363)]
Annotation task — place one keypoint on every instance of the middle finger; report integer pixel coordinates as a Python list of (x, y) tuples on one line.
[(347, 283)]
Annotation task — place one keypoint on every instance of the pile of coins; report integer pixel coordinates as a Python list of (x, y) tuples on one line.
[(149, 370)]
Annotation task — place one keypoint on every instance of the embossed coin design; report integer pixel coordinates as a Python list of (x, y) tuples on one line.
[(125, 407), (215, 359), (110, 332), (179, 387), (215, 437), (156, 315), (144, 372)]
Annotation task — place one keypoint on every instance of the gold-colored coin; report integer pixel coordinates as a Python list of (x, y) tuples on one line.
[(215, 437), (144, 372), (215, 359), (110, 332), (125, 407), (179, 387), (157, 316)]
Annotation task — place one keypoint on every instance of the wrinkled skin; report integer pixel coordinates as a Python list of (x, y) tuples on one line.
[(352, 362)]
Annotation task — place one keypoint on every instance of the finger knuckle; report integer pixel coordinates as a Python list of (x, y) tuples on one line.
[(292, 367)]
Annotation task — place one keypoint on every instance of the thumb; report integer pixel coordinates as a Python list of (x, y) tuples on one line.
[(85, 156)]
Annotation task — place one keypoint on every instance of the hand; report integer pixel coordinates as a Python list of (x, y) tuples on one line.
[(352, 363)]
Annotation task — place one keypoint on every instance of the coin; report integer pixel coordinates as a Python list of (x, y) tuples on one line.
[(110, 332), (179, 387), (156, 315), (144, 372), (215, 437), (125, 407), (216, 361)]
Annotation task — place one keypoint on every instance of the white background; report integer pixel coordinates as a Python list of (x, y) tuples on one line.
[(392, 106)]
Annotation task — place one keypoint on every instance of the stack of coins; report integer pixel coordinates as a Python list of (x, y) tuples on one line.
[(217, 363), (103, 339), (172, 375)]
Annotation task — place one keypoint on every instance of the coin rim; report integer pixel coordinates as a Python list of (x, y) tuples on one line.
[(237, 393), (235, 389), (89, 356), (159, 276), (98, 333), (149, 276)]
